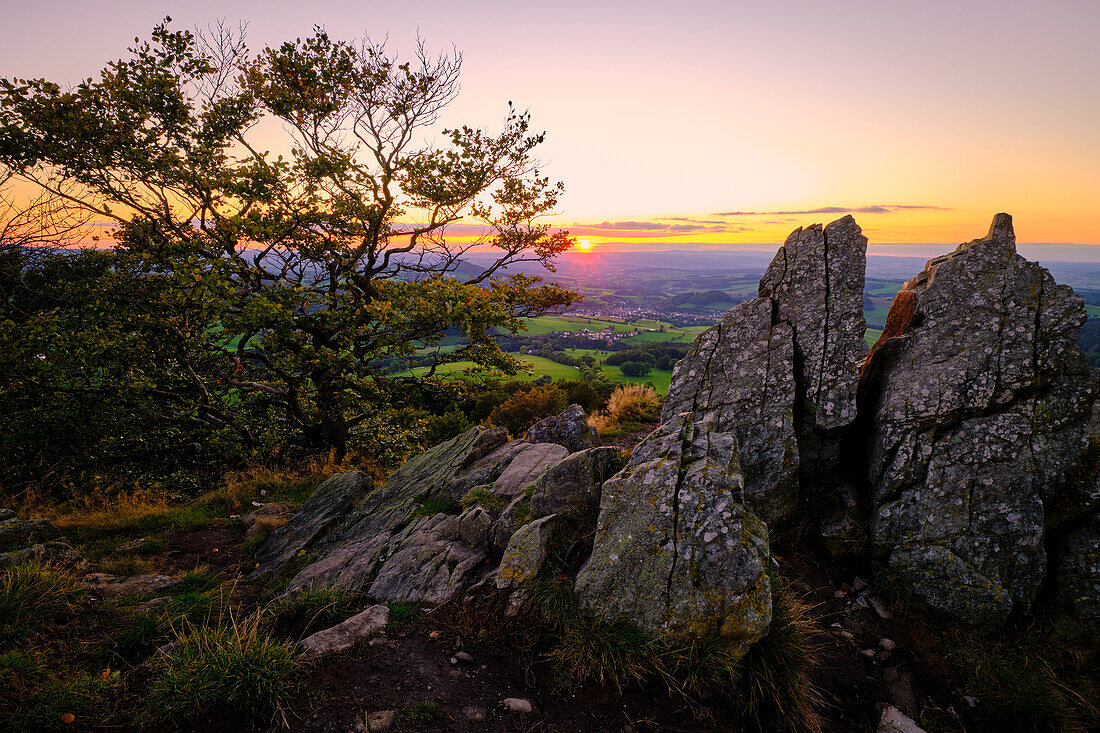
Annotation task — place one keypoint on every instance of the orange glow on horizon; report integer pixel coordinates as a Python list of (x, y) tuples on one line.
[(583, 245)]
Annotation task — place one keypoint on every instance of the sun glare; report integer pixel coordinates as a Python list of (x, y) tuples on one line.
[(584, 244)]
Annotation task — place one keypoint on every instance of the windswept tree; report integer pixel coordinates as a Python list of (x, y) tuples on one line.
[(293, 277)]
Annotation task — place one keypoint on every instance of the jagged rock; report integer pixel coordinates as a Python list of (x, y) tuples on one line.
[(526, 552), (1077, 583), (346, 634), (569, 429), (675, 551), (383, 546), (977, 412), (432, 559), (325, 507), (739, 375), (16, 533), (6, 514), (572, 483), (269, 516), (55, 552), (816, 283)]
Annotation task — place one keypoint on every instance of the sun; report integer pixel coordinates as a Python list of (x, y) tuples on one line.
[(584, 244)]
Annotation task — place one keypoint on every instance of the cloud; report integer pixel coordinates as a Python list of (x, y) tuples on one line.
[(873, 209), (679, 227)]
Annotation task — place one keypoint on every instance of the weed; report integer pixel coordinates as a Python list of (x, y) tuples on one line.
[(421, 712), (605, 425), (34, 595), (429, 507), (777, 673), (403, 614), (484, 496), (615, 651), (233, 670), (297, 616)]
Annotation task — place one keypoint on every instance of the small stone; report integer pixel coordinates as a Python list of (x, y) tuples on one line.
[(895, 721), (869, 653), (859, 584), (380, 721), (880, 607), (890, 674), (887, 644), (464, 657), (454, 660), (154, 603), (475, 714), (517, 705), (848, 635), (882, 656), (367, 623), (838, 594)]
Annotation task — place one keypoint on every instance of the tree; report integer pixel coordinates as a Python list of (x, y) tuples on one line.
[(635, 368), (306, 272)]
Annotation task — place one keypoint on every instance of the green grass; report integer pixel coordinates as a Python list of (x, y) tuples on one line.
[(871, 335), (33, 596), (234, 672), (297, 616), (660, 379)]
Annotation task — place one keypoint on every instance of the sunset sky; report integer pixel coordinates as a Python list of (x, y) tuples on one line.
[(725, 123)]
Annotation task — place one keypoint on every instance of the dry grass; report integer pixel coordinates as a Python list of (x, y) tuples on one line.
[(603, 422), (633, 403)]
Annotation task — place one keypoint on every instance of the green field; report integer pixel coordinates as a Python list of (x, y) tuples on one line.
[(537, 365), (660, 379)]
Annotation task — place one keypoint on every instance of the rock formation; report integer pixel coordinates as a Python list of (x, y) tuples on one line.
[(816, 284), (977, 403), (675, 550)]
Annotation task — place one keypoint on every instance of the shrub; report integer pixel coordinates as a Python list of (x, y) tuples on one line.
[(524, 409), (35, 594), (604, 423), (485, 497), (633, 402), (596, 649), (233, 670), (429, 507), (297, 616), (137, 641), (635, 368)]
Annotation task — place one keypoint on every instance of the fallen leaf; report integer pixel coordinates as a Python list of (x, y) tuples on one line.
[(67, 718)]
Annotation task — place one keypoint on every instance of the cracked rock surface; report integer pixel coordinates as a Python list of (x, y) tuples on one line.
[(816, 283), (675, 550), (978, 411)]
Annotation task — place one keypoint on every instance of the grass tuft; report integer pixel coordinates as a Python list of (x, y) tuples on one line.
[(233, 671), (295, 617), (34, 595)]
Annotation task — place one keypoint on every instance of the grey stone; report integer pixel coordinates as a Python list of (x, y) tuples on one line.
[(572, 484), (816, 282), (895, 721), (526, 552), (110, 586), (474, 714), (739, 375), (569, 429), (380, 721), (16, 533), (323, 510), (675, 551), (55, 552), (517, 705), (6, 514), (368, 623), (527, 466), (978, 405)]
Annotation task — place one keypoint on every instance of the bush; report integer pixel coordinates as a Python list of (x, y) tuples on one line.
[(233, 671), (596, 649), (34, 595), (523, 410), (634, 403)]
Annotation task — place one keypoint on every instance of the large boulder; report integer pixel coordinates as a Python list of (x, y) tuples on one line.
[(977, 404), (322, 511), (1077, 582), (738, 375), (816, 285), (675, 550)]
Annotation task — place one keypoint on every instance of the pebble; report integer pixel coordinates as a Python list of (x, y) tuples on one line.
[(890, 674), (859, 584), (464, 657), (475, 714), (848, 635), (517, 705), (869, 653), (380, 721), (887, 644), (880, 607), (838, 594)]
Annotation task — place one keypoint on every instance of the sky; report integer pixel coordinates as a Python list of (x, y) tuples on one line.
[(716, 124)]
